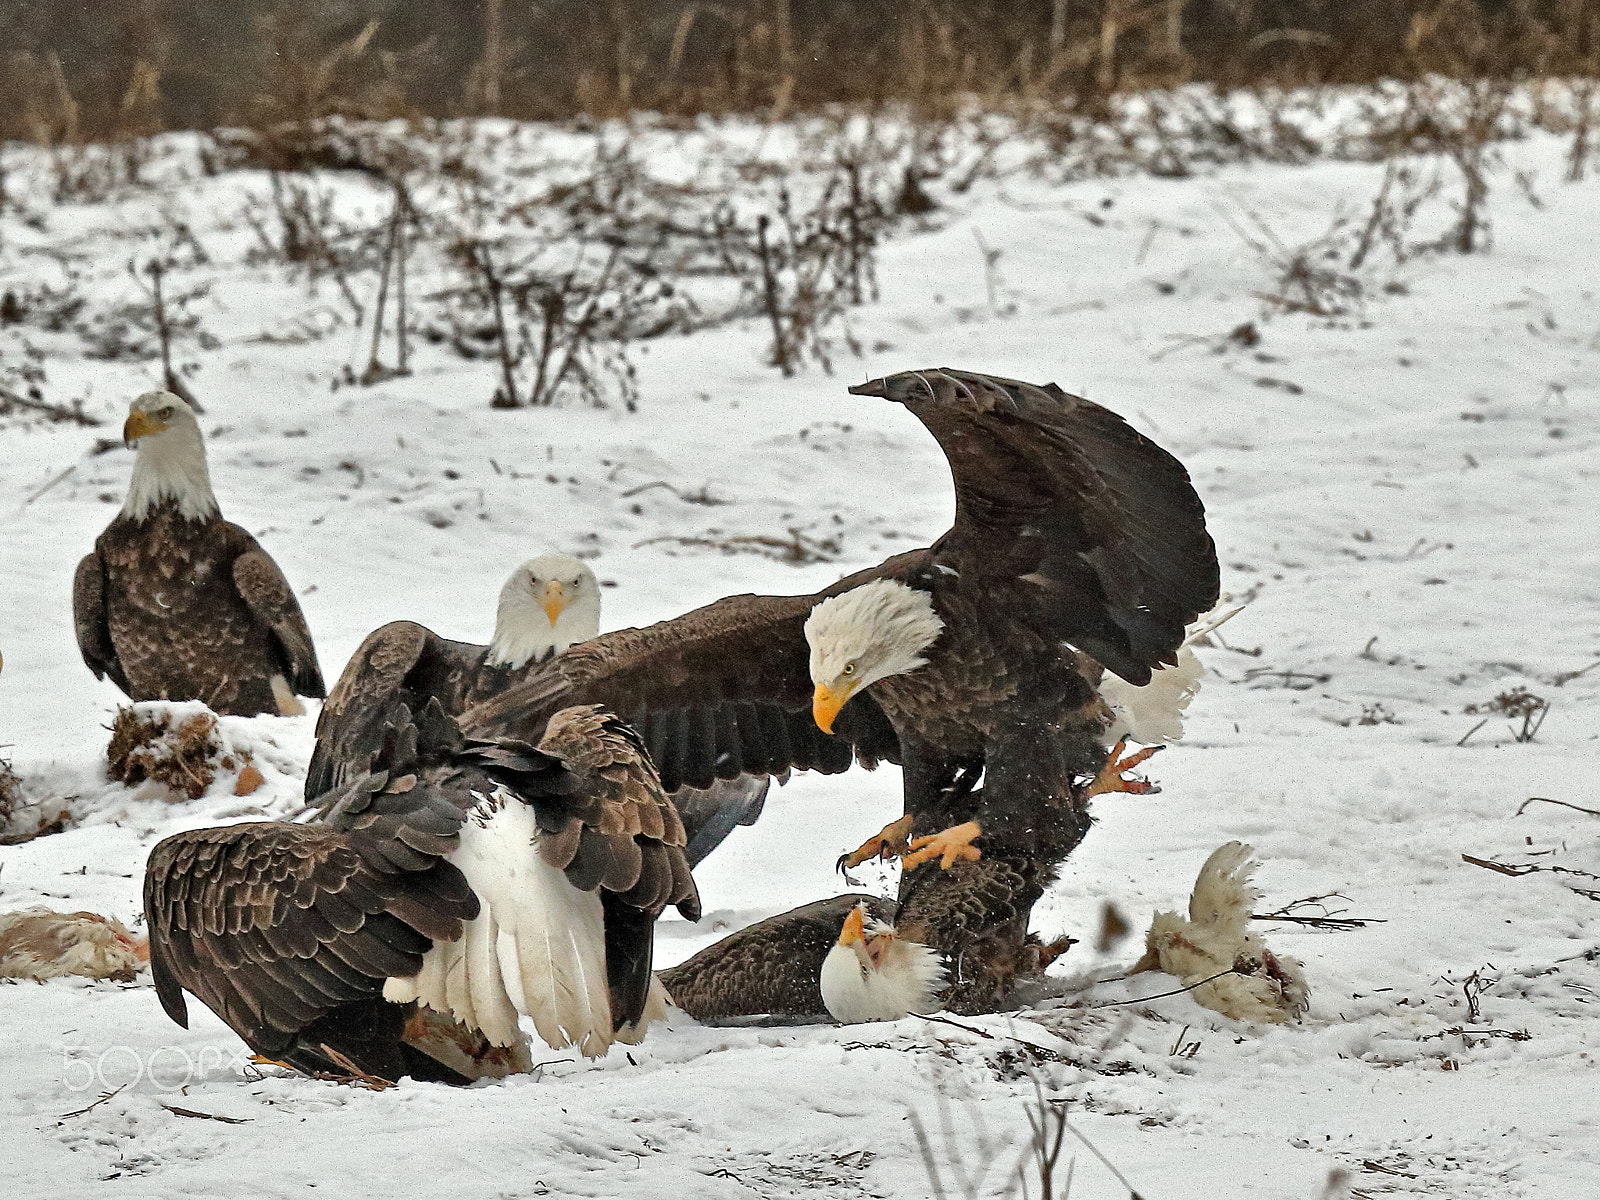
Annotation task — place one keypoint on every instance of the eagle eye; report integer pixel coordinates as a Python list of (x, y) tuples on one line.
[(164, 413), (849, 669)]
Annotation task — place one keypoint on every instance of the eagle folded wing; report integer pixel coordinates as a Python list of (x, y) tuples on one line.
[(89, 616), (399, 662), (267, 595)]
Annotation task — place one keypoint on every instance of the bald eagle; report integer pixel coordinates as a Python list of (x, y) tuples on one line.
[(1075, 538), (852, 957), (177, 604), (477, 879), (772, 967), (547, 605)]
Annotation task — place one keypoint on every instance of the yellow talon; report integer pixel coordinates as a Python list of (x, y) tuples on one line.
[(948, 846), (888, 842), (1112, 777)]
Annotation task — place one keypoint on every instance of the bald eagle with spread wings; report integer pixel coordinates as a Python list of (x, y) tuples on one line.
[(175, 603), (1079, 546), (546, 605), (459, 884)]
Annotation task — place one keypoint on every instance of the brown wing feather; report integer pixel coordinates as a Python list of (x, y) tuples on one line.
[(273, 925), (399, 661), (631, 840), (721, 691), (89, 616), (1079, 524), (266, 593)]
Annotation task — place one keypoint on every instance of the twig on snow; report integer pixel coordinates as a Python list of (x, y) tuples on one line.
[(1593, 812), (1159, 995), (96, 1104), (189, 1112)]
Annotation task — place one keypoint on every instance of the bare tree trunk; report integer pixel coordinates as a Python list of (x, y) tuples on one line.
[(493, 41), (1110, 30), (1058, 29), (1175, 27), (622, 31)]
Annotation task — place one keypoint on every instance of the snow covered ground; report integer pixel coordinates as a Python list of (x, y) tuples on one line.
[(1406, 493)]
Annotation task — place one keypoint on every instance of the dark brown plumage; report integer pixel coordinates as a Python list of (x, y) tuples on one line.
[(175, 603), (289, 932), (176, 609), (770, 967), (408, 662), (399, 661), (1077, 541)]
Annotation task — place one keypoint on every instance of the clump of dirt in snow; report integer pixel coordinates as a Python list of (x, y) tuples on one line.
[(21, 821), (10, 793), (175, 745)]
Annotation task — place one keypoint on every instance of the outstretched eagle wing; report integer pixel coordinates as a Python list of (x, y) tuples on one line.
[(401, 660), (89, 616), (1091, 533), (719, 692), (272, 925), (270, 599)]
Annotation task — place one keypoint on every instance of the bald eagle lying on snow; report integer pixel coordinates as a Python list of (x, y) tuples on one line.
[(177, 604)]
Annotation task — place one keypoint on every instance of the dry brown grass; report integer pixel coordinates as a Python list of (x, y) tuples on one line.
[(185, 757), (118, 70)]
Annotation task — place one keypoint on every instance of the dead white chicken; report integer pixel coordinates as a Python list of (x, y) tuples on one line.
[(39, 943), (1261, 986)]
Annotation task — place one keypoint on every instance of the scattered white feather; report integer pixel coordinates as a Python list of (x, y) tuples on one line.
[(1216, 938), (1153, 714)]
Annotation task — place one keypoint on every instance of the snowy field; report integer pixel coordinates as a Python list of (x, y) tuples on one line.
[(1406, 493)]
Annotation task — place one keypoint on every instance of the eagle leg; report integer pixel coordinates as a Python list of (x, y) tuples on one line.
[(1113, 776), (888, 842), (948, 846)]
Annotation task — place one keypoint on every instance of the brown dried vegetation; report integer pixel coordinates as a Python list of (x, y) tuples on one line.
[(185, 757)]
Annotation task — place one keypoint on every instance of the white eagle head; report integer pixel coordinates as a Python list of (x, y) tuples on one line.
[(873, 974), (548, 604), (170, 459), (869, 633)]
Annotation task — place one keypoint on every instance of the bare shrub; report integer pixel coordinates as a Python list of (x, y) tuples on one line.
[(558, 319), (1521, 706), (803, 266)]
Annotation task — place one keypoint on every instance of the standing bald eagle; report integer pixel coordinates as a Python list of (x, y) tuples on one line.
[(546, 605), (177, 604), (484, 878), (1076, 540)]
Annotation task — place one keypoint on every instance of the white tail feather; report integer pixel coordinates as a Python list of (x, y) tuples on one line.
[(1153, 714), (537, 947)]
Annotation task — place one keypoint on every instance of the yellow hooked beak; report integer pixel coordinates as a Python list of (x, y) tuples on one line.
[(825, 705), (555, 600), (854, 930), (138, 425)]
